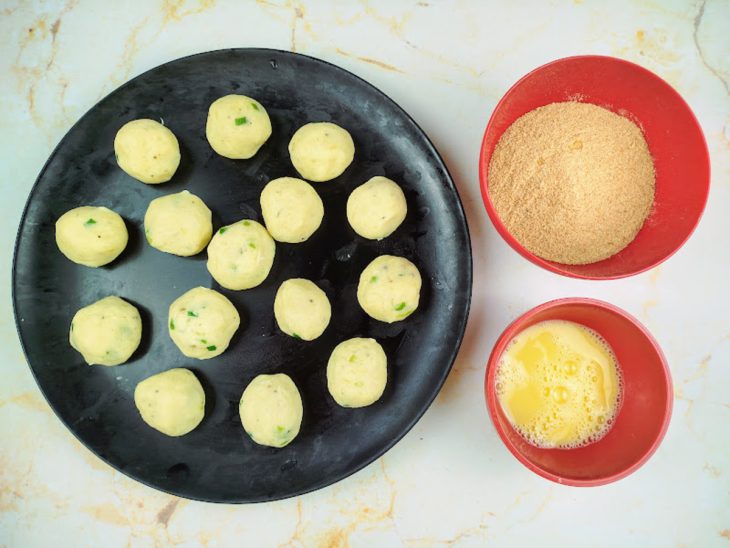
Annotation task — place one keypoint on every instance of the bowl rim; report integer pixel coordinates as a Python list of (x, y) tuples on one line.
[(556, 267), (491, 400)]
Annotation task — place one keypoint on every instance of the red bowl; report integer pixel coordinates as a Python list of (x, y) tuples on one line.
[(672, 132), (645, 410)]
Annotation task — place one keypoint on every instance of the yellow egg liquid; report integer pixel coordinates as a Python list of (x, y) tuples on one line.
[(559, 384)]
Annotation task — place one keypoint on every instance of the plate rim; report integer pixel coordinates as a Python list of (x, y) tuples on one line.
[(431, 396)]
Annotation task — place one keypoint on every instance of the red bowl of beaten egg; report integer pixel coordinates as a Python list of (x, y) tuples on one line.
[(644, 408), (672, 133)]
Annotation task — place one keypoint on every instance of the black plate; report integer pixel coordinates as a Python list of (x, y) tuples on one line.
[(217, 461)]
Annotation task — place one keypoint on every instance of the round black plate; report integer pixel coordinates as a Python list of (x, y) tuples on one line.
[(217, 461)]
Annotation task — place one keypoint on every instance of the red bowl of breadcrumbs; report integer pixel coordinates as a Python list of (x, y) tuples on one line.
[(587, 192)]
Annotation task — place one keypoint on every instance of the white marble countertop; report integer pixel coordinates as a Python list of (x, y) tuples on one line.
[(450, 481)]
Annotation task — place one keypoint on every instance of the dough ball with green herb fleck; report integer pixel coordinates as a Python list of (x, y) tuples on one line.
[(376, 208), (178, 223), (292, 209), (302, 310), (91, 236), (389, 288), (321, 151), (202, 322), (147, 151), (240, 255), (172, 402), (106, 332), (237, 126), (357, 372), (271, 410)]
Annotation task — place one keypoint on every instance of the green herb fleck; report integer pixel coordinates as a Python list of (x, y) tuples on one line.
[(252, 245), (255, 106), (90, 222), (296, 336), (246, 223), (172, 324), (280, 429), (352, 358), (192, 314), (240, 121), (211, 347), (373, 279), (401, 306), (222, 229), (203, 341)]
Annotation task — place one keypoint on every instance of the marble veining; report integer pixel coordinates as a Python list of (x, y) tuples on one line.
[(450, 481)]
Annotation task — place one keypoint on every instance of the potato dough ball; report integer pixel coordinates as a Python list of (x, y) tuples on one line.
[(292, 209), (240, 255), (301, 309), (172, 402), (147, 151), (271, 410), (106, 332), (237, 126), (376, 208), (321, 151), (202, 322), (178, 223), (357, 372), (389, 288), (91, 236)]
